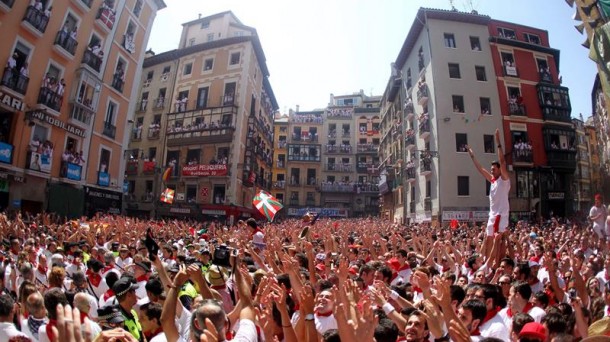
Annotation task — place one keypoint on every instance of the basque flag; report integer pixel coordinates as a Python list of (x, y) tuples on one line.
[(266, 204)]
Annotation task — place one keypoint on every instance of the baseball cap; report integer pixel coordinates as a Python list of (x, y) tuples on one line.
[(535, 330)]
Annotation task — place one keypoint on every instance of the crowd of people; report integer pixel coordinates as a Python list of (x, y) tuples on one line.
[(114, 278)]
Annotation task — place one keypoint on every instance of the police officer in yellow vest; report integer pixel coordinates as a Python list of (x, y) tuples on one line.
[(125, 292), (187, 292)]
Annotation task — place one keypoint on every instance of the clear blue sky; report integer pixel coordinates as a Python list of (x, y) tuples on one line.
[(318, 47)]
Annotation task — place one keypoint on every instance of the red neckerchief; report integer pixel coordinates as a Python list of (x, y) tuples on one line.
[(417, 289), (607, 276), (404, 267), (83, 315), (326, 314), (142, 278), (150, 335), (490, 314), (107, 268), (525, 310), (256, 230), (446, 268), (219, 287), (94, 278), (49, 329), (535, 258), (108, 294), (401, 339), (493, 180), (476, 332), (42, 269)]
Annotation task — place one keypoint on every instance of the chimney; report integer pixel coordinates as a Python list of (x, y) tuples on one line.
[(199, 15), (297, 108)]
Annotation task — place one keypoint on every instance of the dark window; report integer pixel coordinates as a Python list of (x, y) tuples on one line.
[(454, 70), (449, 40), (167, 69), (506, 33), (463, 185), (461, 141), (188, 68), (488, 143), (202, 97), (209, 64), (428, 189), (485, 105), (480, 71), (205, 24), (531, 38), (475, 43), (150, 75), (234, 58), (412, 193), (458, 103)]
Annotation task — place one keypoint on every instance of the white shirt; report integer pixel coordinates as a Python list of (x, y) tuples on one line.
[(325, 323), (498, 197), (8, 330), (403, 275), (495, 327), (536, 313), (599, 223), (246, 332), (122, 263)]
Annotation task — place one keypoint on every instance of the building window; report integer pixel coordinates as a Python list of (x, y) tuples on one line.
[(463, 185), (137, 8), (234, 58), (412, 193), (458, 103), (527, 185), (449, 40), (506, 33), (188, 68), (531, 38), (202, 97), (488, 143), (210, 37), (104, 161), (428, 189), (167, 69), (461, 142), (208, 64), (205, 24), (485, 105), (475, 44), (480, 71), (191, 41), (454, 70), (150, 75)]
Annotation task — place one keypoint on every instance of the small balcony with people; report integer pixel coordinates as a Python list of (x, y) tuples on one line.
[(410, 171), (51, 93), (159, 103), (409, 109), (554, 102), (523, 153), (422, 92), (338, 167), (15, 80), (509, 68), (109, 130), (560, 146), (424, 125), (515, 102), (410, 139), (154, 131), (7, 4), (425, 163), (367, 148), (37, 17), (106, 14), (66, 39), (93, 56), (280, 184), (210, 125)]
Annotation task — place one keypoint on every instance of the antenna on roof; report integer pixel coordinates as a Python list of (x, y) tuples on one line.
[(452, 6), (471, 6)]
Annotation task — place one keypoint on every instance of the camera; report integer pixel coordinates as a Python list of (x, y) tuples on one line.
[(222, 255), (572, 293)]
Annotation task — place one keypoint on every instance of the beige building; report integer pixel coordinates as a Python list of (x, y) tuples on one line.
[(217, 123), (441, 97), (71, 68)]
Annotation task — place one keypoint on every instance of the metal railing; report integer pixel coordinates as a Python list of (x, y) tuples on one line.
[(13, 79), (50, 99), (66, 42), (36, 18), (109, 130), (92, 60)]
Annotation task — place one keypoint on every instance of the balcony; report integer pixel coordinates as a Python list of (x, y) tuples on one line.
[(117, 81), (427, 204), (346, 134), (330, 187), (424, 127), (154, 132), (281, 144), (142, 105), (92, 60), (364, 167), (294, 202), (66, 42), (36, 18), (410, 110), (106, 15), (49, 98), (279, 184), (510, 71), (556, 114), (310, 202), (311, 182), (339, 149), (410, 173), (425, 167), (280, 164), (305, 137), (340, 113), (412, 207), (410, 139), (422, 94), (523, 156), (109, 130), (307, 118), (159, 103), (545, 77), (227, 100), (338, 167), (86, 2), (7, 3), (303, 158), (565, 159), (367, 148), (516, 109), (13, 80)]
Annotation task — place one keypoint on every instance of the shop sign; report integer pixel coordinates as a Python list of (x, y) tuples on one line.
[(17, 203), (12, 102), (6, 153), (42, 116), (201, 170), (213, 212), (465, 215), (324, 212), (40, 162), (175, 210), (556, 195), (103, 194)]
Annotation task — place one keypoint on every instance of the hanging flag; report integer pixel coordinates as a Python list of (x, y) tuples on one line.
[(167, 196), (167, 174), (454, 224), (266, 204)]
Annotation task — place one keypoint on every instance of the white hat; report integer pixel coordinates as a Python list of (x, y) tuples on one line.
[(258, 240), (533, 263)]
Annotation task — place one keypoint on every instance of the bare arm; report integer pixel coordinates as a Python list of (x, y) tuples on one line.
[(503, 170), (478, 166)]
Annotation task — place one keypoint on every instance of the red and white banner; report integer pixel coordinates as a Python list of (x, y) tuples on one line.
[(200, 170)]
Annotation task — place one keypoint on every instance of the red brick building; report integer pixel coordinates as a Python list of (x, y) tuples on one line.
[(540, 139)]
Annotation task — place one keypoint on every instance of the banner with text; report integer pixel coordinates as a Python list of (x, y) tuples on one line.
[(200, 170)]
